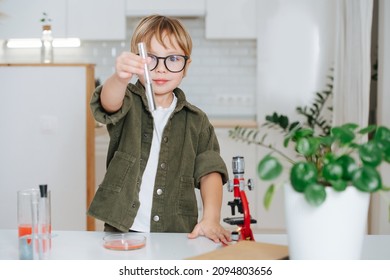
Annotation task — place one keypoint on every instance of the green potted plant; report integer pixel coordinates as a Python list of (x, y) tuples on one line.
[(45, 19), (326, 162)]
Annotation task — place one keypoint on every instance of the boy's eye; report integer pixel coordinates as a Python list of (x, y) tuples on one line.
[(174, 58), (154, 58), (173, 63)]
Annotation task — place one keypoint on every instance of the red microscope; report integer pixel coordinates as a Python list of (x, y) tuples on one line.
[(237, 186)]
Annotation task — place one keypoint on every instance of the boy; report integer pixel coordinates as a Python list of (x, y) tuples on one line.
[(156, 159)]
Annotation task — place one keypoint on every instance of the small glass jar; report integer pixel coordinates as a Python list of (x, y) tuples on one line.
[(47, 55)]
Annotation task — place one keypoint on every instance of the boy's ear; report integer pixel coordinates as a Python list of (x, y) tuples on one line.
[(186, 68)]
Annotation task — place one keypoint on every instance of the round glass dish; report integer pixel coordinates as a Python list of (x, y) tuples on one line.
[(124, 241)]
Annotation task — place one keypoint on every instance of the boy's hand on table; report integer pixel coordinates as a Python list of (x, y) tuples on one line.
[(211, 230)]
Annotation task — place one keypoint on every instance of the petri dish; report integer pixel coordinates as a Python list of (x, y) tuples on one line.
[(124, 241)]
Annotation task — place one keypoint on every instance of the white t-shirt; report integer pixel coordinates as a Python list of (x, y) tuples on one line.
[(142, 219)]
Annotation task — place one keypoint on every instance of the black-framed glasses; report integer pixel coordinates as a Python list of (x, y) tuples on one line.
[(174, 63)]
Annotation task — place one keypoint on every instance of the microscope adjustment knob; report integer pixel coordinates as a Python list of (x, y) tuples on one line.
[(230, 186), (250, 184)]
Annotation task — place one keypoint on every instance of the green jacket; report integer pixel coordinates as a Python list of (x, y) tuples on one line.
[(189, 150)]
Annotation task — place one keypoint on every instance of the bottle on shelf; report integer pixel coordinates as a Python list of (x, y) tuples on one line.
[(47, 55)]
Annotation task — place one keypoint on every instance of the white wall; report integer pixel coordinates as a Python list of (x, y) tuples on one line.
[(295, 43), (221, 79), (295, 53)]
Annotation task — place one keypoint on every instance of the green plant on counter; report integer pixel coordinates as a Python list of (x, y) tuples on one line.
[(46, 20), (325, 156)]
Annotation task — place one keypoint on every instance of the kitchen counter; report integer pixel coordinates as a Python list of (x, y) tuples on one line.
[(88, 245)]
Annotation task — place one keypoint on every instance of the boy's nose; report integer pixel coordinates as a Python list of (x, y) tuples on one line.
[(161, 67)]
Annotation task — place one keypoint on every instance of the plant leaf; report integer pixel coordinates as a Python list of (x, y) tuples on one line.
[(370, 153), (303, 174), (283, 121), (350, 126), (293, 125), (348, 165), (339, 185), (304, 132), (386, 155), (269, 194), (315, 194), (382, 137), (307, 146), (269, 168), (326, 140), (343, 134), (332, 171), (367, 179), (367, 129)]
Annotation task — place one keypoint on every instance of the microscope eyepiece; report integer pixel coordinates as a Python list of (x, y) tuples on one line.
[(238, 165)]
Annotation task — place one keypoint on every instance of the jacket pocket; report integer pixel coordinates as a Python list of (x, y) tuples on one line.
[(117, 171), (186, 204)]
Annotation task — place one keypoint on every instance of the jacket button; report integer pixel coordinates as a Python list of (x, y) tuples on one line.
[(163, 165), (165, 139), (133, 205), (156, 218), (159, 191)]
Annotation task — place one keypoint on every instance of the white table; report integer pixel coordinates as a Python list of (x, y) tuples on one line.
[(88, 245)]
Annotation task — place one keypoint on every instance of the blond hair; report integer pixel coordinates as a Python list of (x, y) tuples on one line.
[(161, 26)]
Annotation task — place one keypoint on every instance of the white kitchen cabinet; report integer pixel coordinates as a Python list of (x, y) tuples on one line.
[(47, 137), (87, 19), (229, 19), (166, 7), (22, 18), (96, 19)]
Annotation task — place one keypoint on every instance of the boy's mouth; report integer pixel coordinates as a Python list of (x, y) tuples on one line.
[(160, 81)]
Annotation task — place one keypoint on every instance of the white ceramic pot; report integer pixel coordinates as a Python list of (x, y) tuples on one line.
[(335, 230)]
